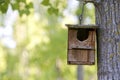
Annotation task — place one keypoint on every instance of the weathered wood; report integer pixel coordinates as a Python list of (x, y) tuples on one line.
[(108, 19), (81, 52), (81, 57), (76, 26), (89, 43)]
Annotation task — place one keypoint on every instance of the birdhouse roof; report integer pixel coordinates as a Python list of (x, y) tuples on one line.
[(82, 26)]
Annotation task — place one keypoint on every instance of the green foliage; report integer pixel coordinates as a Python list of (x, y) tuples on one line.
[(3, 6), (20, 5), (41, 45), (2, 1), (46, 3), (52, 10), (24, 7)]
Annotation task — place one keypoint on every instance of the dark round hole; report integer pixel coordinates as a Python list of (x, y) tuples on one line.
[(82, 34)]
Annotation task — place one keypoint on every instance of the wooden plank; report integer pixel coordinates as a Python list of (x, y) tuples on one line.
[(92, 56), (77, 55), (81, 26), (80, 63), (81, 57), (73, 42)]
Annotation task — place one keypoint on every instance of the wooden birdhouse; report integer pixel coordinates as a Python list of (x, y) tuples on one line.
[(81, 44)]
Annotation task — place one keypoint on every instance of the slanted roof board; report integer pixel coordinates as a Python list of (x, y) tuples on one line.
[(82, 26)]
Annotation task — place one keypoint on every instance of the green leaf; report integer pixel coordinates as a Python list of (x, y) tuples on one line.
[(7, 1), (30, 5), (53, 10), (25, 11), (1, 1), (56, 11), (15, 6), (4, 7), (45, 2), (21, 1)]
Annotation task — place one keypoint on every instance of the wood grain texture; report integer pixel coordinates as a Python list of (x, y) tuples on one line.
[(77, 26), (73, 42), (81, 57), (81, 52)]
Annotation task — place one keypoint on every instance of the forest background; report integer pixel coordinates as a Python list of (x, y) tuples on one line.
[(33, 39)]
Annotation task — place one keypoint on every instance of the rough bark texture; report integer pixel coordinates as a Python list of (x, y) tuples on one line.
[(108, 19)]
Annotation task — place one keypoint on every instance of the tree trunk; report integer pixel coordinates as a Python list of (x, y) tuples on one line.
[(108, 19)]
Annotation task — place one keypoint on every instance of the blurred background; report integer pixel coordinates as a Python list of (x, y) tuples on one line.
[(33, 46)]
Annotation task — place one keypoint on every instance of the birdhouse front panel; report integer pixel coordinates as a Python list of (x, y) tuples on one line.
[(74, 42), (81, 44), (81, 57)]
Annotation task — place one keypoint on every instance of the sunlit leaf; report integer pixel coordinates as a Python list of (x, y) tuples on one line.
[(2, 1), (52, 10), (15, 6), (3, 7), (25, 11), (30, 5), (21, 1), (45, 2)]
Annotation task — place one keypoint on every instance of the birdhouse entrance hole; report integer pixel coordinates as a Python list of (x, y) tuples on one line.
[(82, 34)]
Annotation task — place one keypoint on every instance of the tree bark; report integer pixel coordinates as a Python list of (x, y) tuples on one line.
[(108, 20)]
